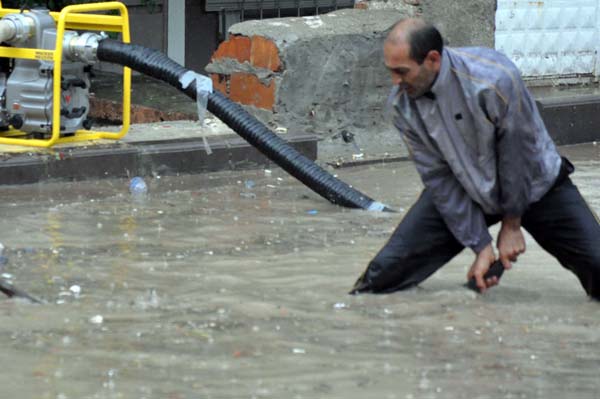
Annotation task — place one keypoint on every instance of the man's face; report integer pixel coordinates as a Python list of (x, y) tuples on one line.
[(411, 77)]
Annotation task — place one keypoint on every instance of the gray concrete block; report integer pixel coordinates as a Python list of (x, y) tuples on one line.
[(462, 22), (332, 76)]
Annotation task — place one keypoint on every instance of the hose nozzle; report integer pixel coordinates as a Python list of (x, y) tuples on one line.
[(82, 48)]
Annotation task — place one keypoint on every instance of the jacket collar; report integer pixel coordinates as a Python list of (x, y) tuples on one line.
[(441, 81)]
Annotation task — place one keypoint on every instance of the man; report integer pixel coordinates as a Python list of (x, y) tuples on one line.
[(484, 156)]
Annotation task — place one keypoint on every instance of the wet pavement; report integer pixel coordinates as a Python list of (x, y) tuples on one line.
[(234, 285)]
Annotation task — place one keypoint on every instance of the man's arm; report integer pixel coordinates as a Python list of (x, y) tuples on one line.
[(511, 242), (462, 215), (518, 124)]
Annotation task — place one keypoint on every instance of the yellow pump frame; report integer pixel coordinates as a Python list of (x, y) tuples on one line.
[(73, 17)]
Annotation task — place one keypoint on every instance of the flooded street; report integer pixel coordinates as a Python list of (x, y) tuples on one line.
[(234, 285)]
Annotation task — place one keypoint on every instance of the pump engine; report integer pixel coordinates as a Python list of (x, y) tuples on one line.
[(26, 85)]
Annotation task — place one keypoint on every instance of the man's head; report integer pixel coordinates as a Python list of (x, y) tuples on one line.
[(413, 54)]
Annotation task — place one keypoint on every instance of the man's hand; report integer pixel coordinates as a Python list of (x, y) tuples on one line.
[(480, 267), (511, 242)]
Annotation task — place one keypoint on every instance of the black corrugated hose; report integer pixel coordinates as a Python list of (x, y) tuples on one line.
[(155, 64)]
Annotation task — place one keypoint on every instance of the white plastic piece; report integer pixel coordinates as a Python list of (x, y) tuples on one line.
[(187, 78), (206, 146), (204, 87), (376, 206)]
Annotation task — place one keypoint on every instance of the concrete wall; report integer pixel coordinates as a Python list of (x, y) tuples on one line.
[(325, 74), (462, 22), (318, 74)]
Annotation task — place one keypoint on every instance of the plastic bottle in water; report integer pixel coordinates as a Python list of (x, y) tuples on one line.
[(138, 186)]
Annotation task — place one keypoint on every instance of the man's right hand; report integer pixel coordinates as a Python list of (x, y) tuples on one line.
[(480, 267), (511, 242)]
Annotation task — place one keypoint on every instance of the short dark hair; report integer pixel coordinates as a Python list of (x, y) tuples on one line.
[(424, 39)]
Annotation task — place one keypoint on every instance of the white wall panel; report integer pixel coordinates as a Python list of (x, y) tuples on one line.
[(550, 38)]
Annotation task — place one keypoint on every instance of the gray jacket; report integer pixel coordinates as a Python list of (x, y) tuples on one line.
[(478, 143)]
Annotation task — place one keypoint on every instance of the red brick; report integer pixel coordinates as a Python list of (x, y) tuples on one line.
[(108, 110), (264, 54), (247, 89), (220, 82), (236, 47)]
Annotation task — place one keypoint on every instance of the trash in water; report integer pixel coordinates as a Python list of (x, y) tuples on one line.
[(249, 184), (267, 172), (147, 301), (340, 305), (298, 351), (312, 212), (247, 195), (98, 319), (75, 289), (138, 186)]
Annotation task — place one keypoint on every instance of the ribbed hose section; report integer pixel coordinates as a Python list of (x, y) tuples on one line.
[(155, 64)]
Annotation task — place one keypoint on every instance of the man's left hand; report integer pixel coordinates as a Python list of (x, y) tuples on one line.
[(511, 242)]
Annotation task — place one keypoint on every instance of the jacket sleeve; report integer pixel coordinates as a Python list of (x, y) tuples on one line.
[(517, 122), (461, 214)]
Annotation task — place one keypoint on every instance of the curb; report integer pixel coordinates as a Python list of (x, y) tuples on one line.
[(164, 157), (571, 120)]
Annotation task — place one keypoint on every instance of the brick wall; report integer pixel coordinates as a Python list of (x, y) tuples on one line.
[(314, 74), (248, 88)]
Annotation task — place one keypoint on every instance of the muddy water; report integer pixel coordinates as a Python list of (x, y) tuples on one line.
[(233, 285)]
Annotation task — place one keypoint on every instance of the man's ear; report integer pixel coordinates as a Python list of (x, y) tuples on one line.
[(434, 59)]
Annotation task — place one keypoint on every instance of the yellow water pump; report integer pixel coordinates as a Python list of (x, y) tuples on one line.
[(45, 64)]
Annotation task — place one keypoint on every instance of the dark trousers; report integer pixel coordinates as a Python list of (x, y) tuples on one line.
[(561, 222)]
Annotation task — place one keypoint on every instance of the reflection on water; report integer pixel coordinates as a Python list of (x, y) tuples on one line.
[(234, 285)]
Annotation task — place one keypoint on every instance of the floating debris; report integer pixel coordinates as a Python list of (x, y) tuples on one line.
[(138, 186), (75, 289)]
